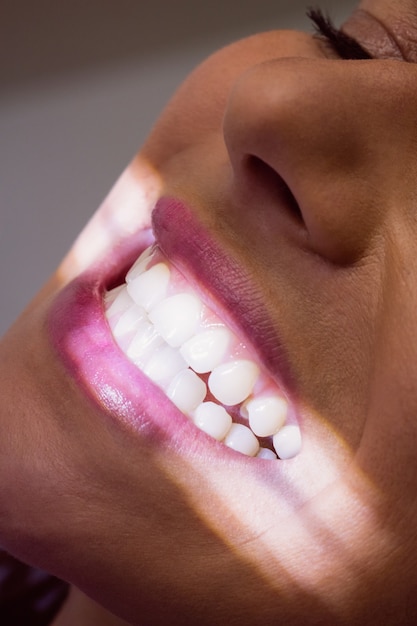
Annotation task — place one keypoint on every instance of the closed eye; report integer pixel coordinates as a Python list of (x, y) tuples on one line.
[(345, 46)]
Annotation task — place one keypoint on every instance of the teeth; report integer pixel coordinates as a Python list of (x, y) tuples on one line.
[(233, 382), (266, 453), (242, 439), (176, 318), (140, 265), (182, 346), (205, 351), (164, 364), (213, 420), (129, 321), (287, 441), (121, 302), (149, 288), (143, 343), (187, 391), (110, 296), (266, 414)]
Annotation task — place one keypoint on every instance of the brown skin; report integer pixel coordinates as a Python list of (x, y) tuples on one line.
[(157, 534)]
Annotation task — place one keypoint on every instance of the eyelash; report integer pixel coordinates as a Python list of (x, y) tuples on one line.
[(345, 46)]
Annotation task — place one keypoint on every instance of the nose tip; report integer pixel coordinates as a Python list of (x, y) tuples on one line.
[(305, 128)]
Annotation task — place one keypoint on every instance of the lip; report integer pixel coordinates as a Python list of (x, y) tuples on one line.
[(81, 337)]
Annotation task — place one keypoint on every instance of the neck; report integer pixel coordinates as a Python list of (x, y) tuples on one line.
[(81, 610)]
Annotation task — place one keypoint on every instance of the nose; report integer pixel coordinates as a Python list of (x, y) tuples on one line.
[(329, 145)]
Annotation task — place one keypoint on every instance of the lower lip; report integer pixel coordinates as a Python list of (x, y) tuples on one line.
[(81, 337)]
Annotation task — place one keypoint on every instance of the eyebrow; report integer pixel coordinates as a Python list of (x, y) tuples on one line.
[(344, 45)]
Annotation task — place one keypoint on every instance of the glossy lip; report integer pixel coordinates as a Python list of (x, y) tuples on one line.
[(81, 336)]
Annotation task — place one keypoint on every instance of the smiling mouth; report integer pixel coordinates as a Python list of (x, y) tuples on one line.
[(211, 375), (164, 351)]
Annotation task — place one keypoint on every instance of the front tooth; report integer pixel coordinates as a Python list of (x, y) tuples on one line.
[(140, 264), (150, 287), (233, 382), (145, 340), (187, 391), (266, 414), (121, 302), (128, 321), (176, 318), (212, 419), (242, 439), (287, 441), (206, 350), (164, 364)]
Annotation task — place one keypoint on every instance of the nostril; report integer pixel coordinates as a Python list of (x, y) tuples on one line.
[(270, 183)]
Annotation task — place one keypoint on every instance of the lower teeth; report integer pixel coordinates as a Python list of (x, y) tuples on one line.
[(164, 329)]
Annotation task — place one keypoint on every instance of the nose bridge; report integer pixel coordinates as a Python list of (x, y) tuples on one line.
[(287, 102), (332, 130)]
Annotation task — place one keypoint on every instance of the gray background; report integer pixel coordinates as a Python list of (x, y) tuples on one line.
[(80, 84)]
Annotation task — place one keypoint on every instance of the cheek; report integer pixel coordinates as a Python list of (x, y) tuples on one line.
[(194, 113), (331, 339), (390, 440)]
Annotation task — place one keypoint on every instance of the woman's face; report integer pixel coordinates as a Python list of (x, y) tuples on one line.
[(284, 181)]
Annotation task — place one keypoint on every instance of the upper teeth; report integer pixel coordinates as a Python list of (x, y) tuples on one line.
[(162, 325)]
